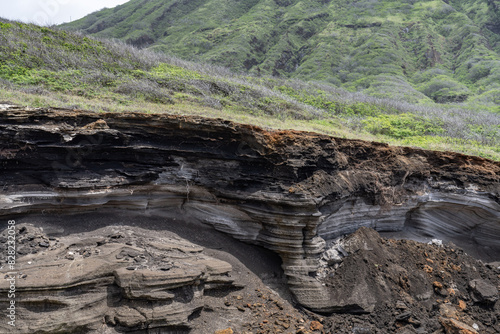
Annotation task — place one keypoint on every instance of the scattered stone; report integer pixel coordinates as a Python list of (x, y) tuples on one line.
[(403, 316), (335, 253), (437, 285), (415, 322), (494, 265), (483, 291), (408, 329), (400, 305), (436, 242), (448, 311), (453, 326), (44, 244), (225, 331), (315, 326)]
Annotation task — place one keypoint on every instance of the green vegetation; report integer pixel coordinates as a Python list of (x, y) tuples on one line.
[(402, 126), (416, 51), (321, 100), (42, 67)]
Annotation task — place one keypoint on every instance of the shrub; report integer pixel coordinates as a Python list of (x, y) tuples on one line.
[(147, 90), (442, 89), (402, 126)]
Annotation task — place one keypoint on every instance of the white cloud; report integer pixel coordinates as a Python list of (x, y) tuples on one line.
[(45, 12)]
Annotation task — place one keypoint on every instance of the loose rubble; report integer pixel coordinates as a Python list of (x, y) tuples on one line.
[(123, 279)]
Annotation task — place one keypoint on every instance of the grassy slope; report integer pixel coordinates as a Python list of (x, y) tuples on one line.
[(416, 51), (48, 67)]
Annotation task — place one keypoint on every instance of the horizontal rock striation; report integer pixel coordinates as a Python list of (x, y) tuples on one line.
[(291, 192), (127, 279)]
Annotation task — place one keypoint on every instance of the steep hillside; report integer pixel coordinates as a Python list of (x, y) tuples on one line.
[(43, 67), (417, 51)]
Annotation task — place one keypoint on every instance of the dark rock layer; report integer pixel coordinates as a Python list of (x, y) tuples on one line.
[(291, 192)]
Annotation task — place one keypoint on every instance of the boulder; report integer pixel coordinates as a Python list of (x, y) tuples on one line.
[(483, 291), (453, 326)]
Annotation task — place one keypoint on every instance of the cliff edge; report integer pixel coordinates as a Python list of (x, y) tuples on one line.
[(293, 193)]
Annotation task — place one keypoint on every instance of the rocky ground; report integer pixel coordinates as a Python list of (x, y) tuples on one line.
[(126, 279), (414, 288)]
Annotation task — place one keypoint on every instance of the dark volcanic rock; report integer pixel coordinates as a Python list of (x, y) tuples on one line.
[(403, 285), (291, 192), (483, 291)]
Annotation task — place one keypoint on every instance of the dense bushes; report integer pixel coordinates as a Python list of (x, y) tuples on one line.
[(402, 125), (442, 89)]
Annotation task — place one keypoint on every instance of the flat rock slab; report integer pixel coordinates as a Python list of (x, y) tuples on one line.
[(127, 278), (482, 291)]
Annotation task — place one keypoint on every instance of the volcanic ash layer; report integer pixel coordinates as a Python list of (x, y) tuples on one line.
[(127, 279), (293, 193)]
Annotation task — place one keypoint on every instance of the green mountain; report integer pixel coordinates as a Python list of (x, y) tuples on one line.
[(412, 50), (47, 67)]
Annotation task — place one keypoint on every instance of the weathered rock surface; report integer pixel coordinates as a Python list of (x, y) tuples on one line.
[(483, 291), (290, 192), (453, 326), (132, 279)]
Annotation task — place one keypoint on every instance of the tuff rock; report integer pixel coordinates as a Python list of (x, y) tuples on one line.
[(290, 192)]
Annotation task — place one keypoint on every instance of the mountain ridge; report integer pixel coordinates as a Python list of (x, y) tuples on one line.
[(417, 51)]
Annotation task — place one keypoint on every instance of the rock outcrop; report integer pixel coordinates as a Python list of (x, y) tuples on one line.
[(130, 278), (290, 192)]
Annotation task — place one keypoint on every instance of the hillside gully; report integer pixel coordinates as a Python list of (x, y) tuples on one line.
[(155, 223)]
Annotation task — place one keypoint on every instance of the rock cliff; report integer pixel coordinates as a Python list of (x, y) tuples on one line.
[(290, 192)]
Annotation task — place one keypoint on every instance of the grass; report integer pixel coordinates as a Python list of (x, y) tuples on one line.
[(43, 67), (379, 48)]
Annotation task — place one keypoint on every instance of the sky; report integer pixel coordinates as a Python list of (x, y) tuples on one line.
[(47, 12)]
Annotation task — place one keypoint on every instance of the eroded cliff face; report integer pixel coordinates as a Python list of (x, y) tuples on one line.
[(290, 192)]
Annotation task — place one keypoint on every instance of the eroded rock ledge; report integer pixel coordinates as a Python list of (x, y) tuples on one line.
[(291, 192), (129, 279)]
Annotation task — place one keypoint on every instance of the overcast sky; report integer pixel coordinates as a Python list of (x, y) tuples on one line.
[(46, 12)]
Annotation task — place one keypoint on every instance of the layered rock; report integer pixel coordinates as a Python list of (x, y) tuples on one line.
[(126, 280), (291, 192)]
